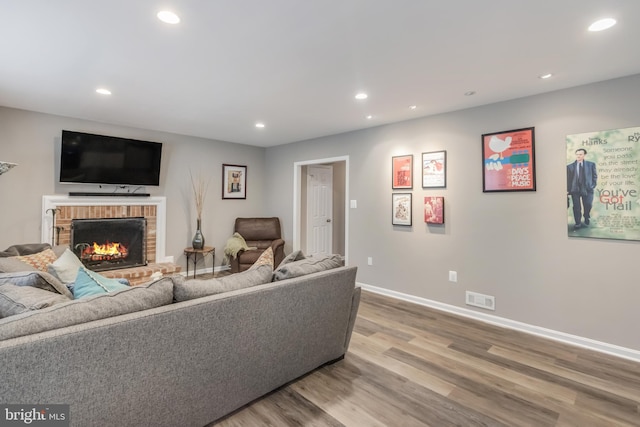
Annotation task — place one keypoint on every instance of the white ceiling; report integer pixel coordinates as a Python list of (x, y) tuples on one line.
[(297, 64)]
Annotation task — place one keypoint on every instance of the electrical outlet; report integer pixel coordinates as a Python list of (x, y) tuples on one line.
[(370, 261), (453, 276)]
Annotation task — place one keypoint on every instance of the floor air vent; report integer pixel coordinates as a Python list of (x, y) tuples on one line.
[(479, 300)]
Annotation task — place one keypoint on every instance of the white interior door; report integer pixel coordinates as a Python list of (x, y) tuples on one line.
[(319, 209)]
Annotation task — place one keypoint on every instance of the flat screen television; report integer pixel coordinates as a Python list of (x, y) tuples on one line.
[(97, 159)]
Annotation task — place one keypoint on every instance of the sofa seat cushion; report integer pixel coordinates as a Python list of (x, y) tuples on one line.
[(18, 299), (83, 310), (196, 288), (312, 264), (36, 279)]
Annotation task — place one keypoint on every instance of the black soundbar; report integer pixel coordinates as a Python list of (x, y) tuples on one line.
[(79, 193)]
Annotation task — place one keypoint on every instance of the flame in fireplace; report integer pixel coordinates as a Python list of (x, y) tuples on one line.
[(107, 251)]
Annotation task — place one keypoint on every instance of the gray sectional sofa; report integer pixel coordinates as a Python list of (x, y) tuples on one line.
[(185, 363)]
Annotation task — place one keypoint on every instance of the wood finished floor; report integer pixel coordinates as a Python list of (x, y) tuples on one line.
[(409, 365)]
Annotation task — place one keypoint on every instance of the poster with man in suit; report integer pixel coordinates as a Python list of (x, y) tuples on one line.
[(603, 184)]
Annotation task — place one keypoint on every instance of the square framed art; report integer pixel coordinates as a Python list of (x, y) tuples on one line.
[(401, 205), (508, 161), (234, 182), (402, 172), (434, 169)]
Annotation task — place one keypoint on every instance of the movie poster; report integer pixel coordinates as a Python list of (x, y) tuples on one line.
[(603, 184), (508, 161)]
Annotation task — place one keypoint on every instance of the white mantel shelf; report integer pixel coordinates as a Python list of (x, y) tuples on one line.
[(54, 201)]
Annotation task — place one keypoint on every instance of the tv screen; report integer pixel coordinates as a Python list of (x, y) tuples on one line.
[(96, 159)]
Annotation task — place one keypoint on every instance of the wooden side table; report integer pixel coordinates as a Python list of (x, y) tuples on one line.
[(193, 253)]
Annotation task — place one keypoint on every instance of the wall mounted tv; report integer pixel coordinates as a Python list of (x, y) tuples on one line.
[(97, 159)]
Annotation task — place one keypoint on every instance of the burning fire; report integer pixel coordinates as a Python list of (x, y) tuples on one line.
[(107, 251)]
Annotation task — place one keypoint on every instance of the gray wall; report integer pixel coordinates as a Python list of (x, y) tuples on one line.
[(510, 245), (33, 141)]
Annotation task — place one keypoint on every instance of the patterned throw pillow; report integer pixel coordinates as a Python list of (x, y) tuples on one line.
[(265, 259), (40, 260)]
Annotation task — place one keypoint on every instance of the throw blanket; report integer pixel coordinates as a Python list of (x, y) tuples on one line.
[(235, 244)]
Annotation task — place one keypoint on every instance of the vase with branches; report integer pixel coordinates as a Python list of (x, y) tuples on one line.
[(199, 186)]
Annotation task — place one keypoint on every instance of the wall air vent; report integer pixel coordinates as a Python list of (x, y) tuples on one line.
[(487, 302)]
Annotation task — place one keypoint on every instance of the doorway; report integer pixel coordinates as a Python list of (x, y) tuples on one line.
[(330, 201)]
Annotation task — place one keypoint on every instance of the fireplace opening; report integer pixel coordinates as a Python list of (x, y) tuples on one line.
[(110, 243)]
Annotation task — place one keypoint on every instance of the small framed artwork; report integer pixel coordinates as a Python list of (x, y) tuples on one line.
[(508, 161), (234, 182), (434, 210), (401, 214), (434, 169), (402, 172)]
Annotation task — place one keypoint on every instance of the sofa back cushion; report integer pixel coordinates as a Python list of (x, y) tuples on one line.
[(196, 288), (36, 279), (83, 310), (18, 299), (312, 264)]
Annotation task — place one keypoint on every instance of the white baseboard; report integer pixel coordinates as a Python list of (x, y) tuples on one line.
[(612, 349)]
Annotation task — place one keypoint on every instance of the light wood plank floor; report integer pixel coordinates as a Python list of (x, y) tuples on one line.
[(410, 365)]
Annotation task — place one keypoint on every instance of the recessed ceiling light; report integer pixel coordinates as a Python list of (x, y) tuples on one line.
[(103, 91), (369, 117), (602, 24), (260, 125), (168, 17), (362, 95), (413, 107), (545, 76), (470, 93)]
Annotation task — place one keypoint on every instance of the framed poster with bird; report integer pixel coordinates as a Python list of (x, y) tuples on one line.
[(508, 161)]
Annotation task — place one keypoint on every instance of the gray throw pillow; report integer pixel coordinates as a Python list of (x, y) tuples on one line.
[(184, 289), (14, 265), (306, 266), (292, 257), (18, 299), (102, 306), (36, 279)]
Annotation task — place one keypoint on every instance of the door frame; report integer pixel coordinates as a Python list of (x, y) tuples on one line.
[(297, 199)]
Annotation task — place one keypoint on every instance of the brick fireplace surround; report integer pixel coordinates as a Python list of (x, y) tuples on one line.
[(153, 209)]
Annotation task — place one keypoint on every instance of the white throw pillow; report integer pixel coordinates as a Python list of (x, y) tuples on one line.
[(65, 267)]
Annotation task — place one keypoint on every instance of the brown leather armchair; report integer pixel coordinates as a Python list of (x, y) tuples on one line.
[(261, 233)]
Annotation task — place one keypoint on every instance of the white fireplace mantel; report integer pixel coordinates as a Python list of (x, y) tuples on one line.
[(54, 201)]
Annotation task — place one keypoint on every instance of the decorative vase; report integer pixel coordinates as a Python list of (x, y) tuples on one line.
[(198, 239)]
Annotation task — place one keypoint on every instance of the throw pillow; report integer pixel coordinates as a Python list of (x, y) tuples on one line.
[(36, 279), (18, 299), (309, 265), (65, 267), (184, 289), (266, 258), (90, 283), (129, 300), (293, 256), (40, 260), (13, 265)]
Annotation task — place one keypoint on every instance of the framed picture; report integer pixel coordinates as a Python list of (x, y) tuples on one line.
[(402, 172), (434, 169), (434, 210), (234, 182), (508, 161), (401, 214)]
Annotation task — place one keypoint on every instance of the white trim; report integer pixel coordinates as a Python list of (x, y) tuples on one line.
[(612, 349), (297, 172), (51, 202)]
